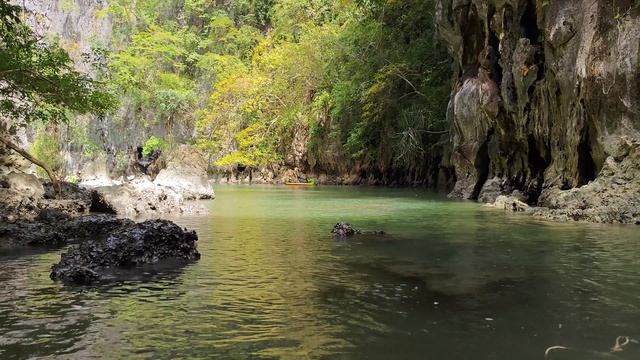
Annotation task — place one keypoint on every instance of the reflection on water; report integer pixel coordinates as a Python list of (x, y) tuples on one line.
[(452, 280)]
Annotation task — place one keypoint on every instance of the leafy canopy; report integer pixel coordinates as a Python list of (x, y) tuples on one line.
[(364, 79), (38, 80)]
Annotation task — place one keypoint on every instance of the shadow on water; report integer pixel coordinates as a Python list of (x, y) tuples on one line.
[(39, 317)]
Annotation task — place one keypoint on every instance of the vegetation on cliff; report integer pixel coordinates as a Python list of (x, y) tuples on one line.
[(321, 85), (38, 82)]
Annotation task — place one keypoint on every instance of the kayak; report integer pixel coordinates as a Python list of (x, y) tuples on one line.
[(299, 184)]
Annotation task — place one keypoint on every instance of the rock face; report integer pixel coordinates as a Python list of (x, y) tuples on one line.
[(53, 228), (544, 94), (143, 197), (145, 243), (27, 184), (613, 197), (186, 173), (24, 197)]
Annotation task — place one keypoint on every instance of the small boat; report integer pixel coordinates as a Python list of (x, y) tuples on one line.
[(299, 184)]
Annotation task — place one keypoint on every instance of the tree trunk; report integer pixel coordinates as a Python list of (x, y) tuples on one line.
[(26, 155)]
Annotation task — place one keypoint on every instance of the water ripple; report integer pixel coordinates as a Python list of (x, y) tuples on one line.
[(451, 281)]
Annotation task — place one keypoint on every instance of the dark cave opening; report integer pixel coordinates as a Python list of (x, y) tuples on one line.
[(494, 53), (482, 164), (529, 23), (537, 166), (496, 69), (587, 169), (530, 29), (100, 205)]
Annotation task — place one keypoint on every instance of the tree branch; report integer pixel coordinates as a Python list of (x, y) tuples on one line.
[(26, 155)]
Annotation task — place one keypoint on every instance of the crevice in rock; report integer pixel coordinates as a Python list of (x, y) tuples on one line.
[(494, 49), (473, 36), (537, 166), (494, 55), (529, 23), (100, 205), (482, 163), (530, 29), (587, 169)]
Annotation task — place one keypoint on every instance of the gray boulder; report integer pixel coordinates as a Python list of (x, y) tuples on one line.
[(186, 173), (27, 184)]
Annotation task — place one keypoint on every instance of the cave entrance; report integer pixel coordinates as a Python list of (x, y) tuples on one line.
[(587, 168), (529, 23), (494, 44), (482, 164), (537, 166)]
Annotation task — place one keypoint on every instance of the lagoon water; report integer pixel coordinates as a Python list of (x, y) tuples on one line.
[(450, 280)]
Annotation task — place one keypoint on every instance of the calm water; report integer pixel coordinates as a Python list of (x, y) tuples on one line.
[(452, 280)]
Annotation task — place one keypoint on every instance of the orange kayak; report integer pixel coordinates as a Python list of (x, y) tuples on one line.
[(299, 184)]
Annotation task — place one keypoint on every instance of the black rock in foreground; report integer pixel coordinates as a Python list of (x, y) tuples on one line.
[(148, 242), (53, 228)]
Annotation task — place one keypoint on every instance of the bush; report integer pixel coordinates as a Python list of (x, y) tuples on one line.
[(46, 148), (154, 144)]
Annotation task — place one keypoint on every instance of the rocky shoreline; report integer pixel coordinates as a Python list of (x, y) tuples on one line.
[(95, 221), (612, 198)]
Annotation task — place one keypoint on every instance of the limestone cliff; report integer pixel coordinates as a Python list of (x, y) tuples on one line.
[(80, 25), (546, 98)]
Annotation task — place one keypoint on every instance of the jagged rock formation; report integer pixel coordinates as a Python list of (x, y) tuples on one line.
[(24, 197), (53, 228), (148, 242), (344, 230), (544, 92)]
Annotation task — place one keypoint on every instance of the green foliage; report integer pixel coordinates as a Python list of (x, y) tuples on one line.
[(80, 140), (363, 78), (152, 74), (154, 144), (38, 80), (68, 5), (121, 162), (46, 148)]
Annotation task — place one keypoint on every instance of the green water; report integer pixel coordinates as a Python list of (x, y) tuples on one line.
[(451, 280)]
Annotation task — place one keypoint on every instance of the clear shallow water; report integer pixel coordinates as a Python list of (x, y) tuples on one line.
[(452, 280)]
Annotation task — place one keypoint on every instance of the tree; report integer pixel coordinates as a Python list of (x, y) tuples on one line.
[(38, 81)]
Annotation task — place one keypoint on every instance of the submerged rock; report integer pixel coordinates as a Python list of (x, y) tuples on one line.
[(344, 230), (148, 242)]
